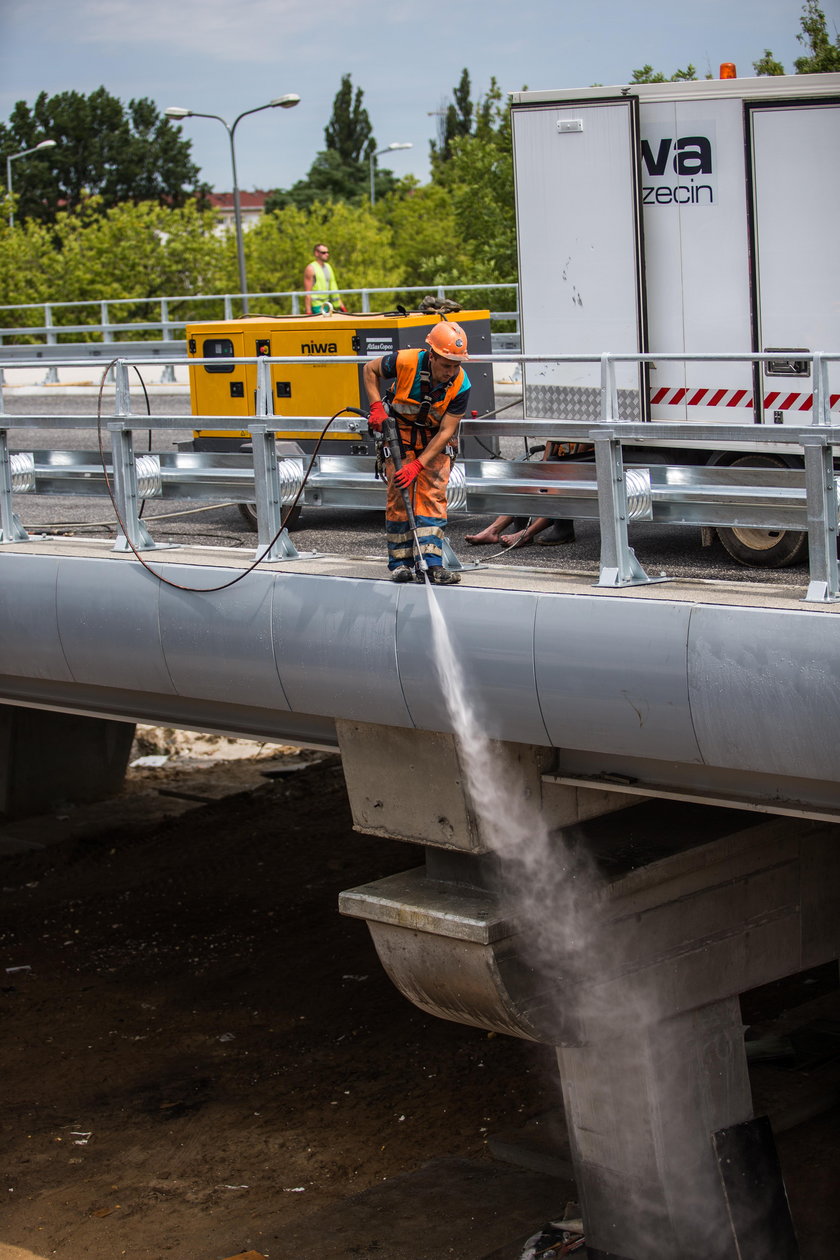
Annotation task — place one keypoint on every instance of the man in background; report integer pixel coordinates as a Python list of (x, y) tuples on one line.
[(320, 285)]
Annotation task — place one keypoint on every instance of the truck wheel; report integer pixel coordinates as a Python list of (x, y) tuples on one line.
[(249, 512), (763, 548)]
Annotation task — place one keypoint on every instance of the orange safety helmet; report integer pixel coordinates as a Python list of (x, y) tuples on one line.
[(449, 340)]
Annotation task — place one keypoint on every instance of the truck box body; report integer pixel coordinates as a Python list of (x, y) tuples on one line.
[(697, 217)]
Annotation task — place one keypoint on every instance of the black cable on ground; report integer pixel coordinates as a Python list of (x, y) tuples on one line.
[(259, 559)]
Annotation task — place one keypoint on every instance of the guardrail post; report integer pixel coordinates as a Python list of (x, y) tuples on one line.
[(295, 304), (11, 529), (168, 373), (823, 501), (52, 372), (271, 534), (821, 409), (618, 564), (106, 333), (264, 400), (132, 534), (365, 302), (609, 393)]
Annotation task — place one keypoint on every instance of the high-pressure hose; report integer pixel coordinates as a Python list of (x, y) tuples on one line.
[(391, 450)]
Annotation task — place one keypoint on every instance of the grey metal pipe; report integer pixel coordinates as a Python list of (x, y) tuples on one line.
[(677, 691)]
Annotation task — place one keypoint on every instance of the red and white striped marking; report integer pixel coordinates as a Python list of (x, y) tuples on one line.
[(776, 401)]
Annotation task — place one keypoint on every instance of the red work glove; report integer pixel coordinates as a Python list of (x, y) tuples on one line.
[(408, 473), (377, 416)]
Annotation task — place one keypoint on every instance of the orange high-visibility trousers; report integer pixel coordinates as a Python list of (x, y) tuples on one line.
[(427, 495)]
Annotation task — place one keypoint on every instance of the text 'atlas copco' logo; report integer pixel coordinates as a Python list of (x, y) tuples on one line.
[(681, 169), (318, 347)]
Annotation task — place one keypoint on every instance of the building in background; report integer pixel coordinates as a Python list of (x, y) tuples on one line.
[(251, 206)]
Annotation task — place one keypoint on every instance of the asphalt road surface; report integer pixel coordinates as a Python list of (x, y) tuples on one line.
[(662, 550)]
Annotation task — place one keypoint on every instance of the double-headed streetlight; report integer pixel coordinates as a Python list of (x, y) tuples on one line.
[(281, 102), (11, 157), (388, 149)]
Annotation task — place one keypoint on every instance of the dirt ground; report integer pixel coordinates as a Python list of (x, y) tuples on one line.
[(200, 1051), (201, 1055)]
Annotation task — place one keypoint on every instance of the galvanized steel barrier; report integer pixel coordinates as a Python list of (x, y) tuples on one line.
[(606, 489), (107, 329)]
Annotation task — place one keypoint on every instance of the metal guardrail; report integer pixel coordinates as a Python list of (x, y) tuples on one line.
[(170, 329), (606, 490), (81, 353), (172, 353), (295, 296)]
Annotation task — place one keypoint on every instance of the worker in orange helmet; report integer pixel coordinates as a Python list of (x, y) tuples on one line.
[(427, 392)]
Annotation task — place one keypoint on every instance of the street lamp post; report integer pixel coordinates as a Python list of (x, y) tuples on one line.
[(388, 149), (11, 157), (281, 102)]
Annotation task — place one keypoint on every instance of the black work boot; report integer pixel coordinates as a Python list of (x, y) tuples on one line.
[(558, 532), (403, 574), (443, 577)]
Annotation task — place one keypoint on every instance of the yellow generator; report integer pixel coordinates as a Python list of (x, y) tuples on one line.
[(317, 389), (221, 388)]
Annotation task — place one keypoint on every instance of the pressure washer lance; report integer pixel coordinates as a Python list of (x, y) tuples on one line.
[(391, 450)]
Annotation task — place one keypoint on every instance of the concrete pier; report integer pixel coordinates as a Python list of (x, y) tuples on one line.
[(690, 906), (49, 759)]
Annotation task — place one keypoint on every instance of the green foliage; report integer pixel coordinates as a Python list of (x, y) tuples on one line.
[(458, 118), (823, 55), (455, 119), (114, 166), (330, 178), (279, 247), (768, 64), (427, 241), (144, 250), (27, 265), (341, 171), (647, 74), (103, 149), (478, 179), (349, 133)]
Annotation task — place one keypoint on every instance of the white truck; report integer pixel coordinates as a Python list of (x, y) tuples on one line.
[(690, 217)]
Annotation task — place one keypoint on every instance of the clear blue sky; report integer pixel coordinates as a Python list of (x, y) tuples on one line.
[(224, 57)]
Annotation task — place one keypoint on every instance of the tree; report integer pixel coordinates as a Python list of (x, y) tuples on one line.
[(349, 133), (361, 247), (822, 56), (426, 235), (455, 119), (103, 149), (647, 74), (478, 178), (126, 251), (340, 171), (768, 64)]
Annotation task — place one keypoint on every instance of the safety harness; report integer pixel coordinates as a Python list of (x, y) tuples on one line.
[(421, 430)]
